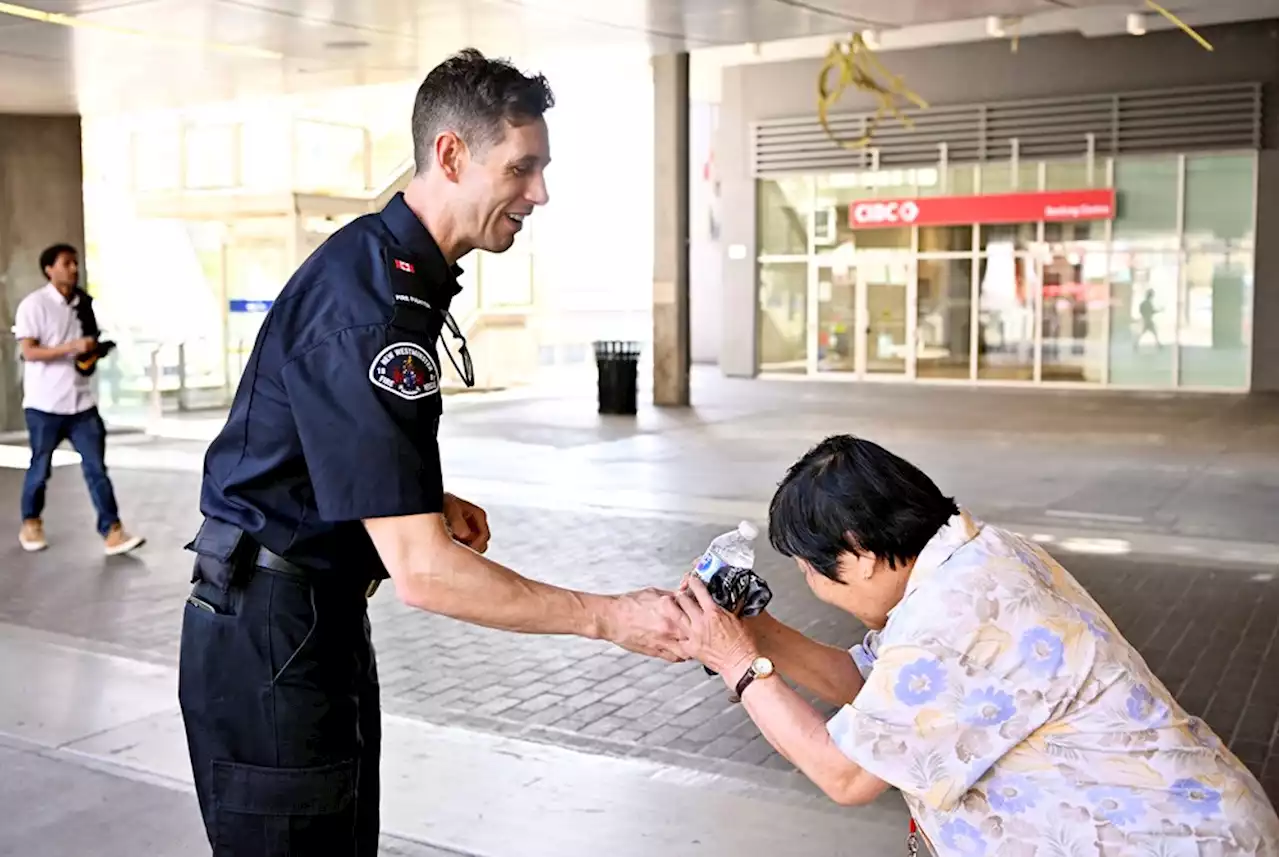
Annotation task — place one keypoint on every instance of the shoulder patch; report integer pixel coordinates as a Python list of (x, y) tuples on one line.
[(407, 370)]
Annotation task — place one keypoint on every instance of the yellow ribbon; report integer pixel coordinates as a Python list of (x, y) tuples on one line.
[(1177, 22), (858, 67)]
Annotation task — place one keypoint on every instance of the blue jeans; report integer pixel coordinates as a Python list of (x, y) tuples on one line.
[(88, 435)]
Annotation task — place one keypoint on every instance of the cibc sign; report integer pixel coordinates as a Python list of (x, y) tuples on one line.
[(1052, 206)]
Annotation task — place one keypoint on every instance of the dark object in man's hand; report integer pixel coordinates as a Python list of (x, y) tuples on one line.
[(740, 591), (87, 362)]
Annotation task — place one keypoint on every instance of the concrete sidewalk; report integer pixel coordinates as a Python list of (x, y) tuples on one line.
[(94, 761)]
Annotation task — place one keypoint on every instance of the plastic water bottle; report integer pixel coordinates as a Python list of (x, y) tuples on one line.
[(727, 569), (730, 550)]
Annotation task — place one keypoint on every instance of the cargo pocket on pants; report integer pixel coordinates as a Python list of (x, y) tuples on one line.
[(275, 812)]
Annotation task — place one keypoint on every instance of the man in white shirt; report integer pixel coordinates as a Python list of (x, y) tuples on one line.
[(60, 403)]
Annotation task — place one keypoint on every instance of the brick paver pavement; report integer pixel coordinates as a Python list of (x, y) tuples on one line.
[(1209, 633)]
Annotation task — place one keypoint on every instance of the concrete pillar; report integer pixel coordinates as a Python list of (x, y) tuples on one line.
[(41, 203), (671, 230)]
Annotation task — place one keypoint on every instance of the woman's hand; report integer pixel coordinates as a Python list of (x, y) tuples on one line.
[(715, 637)]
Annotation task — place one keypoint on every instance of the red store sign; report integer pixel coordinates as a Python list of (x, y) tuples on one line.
[(1052, 206)]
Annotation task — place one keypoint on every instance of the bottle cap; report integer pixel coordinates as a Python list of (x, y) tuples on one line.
[(748, 531)]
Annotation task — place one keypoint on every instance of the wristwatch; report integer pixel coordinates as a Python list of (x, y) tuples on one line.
[(760, 668)]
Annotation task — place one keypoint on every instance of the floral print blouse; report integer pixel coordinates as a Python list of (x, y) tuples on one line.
[(1017, 722)]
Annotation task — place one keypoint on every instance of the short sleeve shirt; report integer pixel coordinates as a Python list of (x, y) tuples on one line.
[(1016, 720), (335, 419), (52, 386)]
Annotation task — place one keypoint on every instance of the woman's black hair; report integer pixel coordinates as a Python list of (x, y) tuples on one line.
[(848, 494)]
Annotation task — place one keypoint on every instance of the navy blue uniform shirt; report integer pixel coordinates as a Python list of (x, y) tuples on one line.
[(336, 415)]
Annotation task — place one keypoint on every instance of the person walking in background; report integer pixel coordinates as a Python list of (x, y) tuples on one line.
[(1147, 311), (60, 403)]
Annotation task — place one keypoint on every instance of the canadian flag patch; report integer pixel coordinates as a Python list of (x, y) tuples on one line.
[(404, 266)]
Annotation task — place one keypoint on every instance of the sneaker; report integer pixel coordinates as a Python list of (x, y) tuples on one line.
[(31, 536), (118, 541)]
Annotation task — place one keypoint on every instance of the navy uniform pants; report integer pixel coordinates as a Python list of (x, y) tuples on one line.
[(279, 694)]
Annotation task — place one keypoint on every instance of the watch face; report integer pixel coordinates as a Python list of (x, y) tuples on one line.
[(762, 667)]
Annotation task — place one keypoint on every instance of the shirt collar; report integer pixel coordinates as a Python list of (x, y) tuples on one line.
[(409, 232), (957, 532), (54, 293)]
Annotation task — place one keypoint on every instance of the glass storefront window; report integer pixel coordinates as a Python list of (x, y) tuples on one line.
[(946, 239), (884, 277), (883, 239), (328, 157), (837, 318), (782, 217), (1007, 283), (1147, 201), (1073, 175), (999, 237), (1085, 230), (835, 193), (943, 319), (1131, 302), (1073, 318), (1144, 296), (1000, 177), (1219, 201), (266, 163), (210, 160), (157, 158), (783, 322), (1216, 314), (960, 181)]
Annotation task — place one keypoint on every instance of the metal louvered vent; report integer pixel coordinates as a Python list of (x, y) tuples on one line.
[(1183, 120)]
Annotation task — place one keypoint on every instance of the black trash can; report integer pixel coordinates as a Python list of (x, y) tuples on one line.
[(616, 367)]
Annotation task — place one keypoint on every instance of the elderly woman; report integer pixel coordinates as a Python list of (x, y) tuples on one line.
[(992, 691)]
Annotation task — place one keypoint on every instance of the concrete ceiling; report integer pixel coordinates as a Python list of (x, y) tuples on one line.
[(104, 56)]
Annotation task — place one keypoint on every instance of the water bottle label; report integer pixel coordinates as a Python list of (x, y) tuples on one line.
[(708, 565)]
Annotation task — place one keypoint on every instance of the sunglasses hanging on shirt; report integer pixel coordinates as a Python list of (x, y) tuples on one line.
[(466, 371)]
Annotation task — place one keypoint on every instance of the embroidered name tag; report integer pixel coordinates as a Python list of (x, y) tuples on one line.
[(407, 370)]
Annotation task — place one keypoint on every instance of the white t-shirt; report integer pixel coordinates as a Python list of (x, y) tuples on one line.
[(52, 386)]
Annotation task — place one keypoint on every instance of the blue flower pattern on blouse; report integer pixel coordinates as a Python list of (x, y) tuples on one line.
[(963, 838), (1196, 797), (921, 682), (1041, 651), (1118, 806), (1016, 722), (1096, 627), (1012, 794), (1143, 707), (987, 707)]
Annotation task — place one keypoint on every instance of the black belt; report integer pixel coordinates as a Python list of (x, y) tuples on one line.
[(269, 560)]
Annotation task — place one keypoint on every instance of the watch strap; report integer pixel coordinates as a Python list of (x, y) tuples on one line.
[(749, 676)]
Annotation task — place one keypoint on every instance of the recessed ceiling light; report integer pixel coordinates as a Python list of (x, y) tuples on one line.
[(346, 45)]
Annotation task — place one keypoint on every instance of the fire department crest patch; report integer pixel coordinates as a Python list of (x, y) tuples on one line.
[(407, 370)]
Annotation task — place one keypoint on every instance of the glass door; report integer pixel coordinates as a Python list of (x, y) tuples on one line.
[(837, 320), (1073, 311), (883, 310)]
